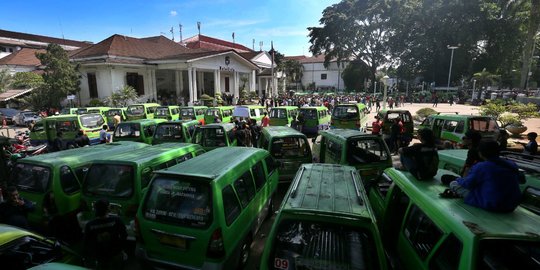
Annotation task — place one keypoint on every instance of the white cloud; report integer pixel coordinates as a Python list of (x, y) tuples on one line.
[(173, 13)]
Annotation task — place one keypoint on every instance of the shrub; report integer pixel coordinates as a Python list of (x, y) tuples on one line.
[(425, 112)]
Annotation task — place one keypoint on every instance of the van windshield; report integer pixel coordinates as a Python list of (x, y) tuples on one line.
[(405, 117), (210, 137), (135, 110), (187, 113), (92, 121), (365, 151), (508, 254), (309, 114), (82, 110), (345, 112), (169, 131), (31, 178), (308, 245), (127, 130), (162, 112), (113, 112), (484, 124), (179, 200), (291, 147), (278, 113), (111, 180)]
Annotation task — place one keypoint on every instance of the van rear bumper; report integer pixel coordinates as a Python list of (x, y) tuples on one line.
[(141, 253)]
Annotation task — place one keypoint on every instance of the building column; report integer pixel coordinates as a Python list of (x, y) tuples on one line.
[(190, 84), (200, 82), (195, 90), (216, 82), (252, 82), (177, 76), (236, 85), (259, 86), (153, 84)]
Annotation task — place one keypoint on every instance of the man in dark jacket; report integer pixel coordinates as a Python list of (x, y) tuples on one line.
[(421, 159), (15, 209)]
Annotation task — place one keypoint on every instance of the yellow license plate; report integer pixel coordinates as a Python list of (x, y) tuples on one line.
[(173, 241)]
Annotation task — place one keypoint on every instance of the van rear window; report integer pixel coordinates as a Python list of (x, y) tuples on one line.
[(291, 147), (366, 151), (508, 254), (484, 125), (109, 180), (187, 113), (345, 112), (210, 137), (169, 131), (179, 200), (309, 114), (135, 110), (309, 245), (92, 121), (278, 113), (31, 178), (162, 112), (127, 130)]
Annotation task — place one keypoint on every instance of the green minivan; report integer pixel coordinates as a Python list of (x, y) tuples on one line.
[(170, 113), (324, 222), (287, 145), (283, 115), (422, 230), (205, 212), (121, 177), (175, 131), (44, 131), (315, 119), (367, 152), (212, 136), (141, 111), (221, 114), (112, 112), (52, 181), (243, 112), (193, 113), (141, 130), (350, 116), (449, 129)]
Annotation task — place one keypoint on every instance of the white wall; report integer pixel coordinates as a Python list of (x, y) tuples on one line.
[(312, 73)]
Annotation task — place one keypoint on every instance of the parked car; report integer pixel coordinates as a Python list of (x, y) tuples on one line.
[(8, 114), (21, 249), (24, 118)]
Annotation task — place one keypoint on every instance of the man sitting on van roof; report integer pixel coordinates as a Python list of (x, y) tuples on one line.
[(421, 159), (492, 184)]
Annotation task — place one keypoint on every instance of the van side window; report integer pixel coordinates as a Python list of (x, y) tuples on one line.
[(258, 173), (460, 127), (271, 165), (231, 206), (421, 232), (334, 150), (245, 188), (146, 176), (428, 121), (450, 125), (38, 127), (68, 180), (448, 254), (149, 131)]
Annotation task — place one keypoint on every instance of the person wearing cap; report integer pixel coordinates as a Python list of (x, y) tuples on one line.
[(104, 239), (492, 184), (471, 141)]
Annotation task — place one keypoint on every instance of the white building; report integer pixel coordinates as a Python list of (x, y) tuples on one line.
[(324, 78)]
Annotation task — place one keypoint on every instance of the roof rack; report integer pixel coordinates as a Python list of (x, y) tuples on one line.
[(526, 162), (438, 113), (296, 183), (360, 201)]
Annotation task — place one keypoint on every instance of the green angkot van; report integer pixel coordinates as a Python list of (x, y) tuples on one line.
[(283, 115), (205, 212), (141, 111), (193, 113), (141, 130), (422, 230), (121, 177), (52, 181), (212, 136), (314, 119), (44, 131), (451, 128), (112, 112), (170, 113), (221, 114), (367, 152), (350, 116), (101, 110), (175, 131), (324, 222), (243, 112), (288, 146)]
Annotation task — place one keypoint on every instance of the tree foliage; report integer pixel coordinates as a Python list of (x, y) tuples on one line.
[(5, 79), (60, 77), (27, 80), (293, 69), (354, 75), (123, 97)]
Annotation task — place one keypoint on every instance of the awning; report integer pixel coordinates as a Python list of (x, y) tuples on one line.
[(13, 93)]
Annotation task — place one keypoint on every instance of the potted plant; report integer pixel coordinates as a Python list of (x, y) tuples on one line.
[(513, 124)]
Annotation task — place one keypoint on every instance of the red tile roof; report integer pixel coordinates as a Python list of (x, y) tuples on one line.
[(296, 57), (45, 39), (23, 57), (213, 44), (142, 48)]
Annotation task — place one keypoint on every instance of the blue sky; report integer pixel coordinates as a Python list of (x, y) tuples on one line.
[(282, 21)]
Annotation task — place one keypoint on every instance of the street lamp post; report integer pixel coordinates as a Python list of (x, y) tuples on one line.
[(473, 89), (451, 60), (374, 88), (385, 81)]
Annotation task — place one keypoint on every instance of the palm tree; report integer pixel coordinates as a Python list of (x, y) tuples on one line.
[(293, 69), (485, 78)]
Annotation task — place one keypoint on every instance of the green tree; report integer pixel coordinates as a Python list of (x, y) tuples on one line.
[(533, 28), (27, 80), (294, 71), (123, 97), (485, 78), (5, 80), (60, 77), (353, 30), (354, 75)]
